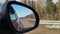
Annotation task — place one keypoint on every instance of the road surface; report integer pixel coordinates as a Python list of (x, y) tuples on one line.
[(27, 23)]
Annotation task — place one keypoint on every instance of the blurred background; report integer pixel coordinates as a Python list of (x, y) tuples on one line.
[(49, 15)]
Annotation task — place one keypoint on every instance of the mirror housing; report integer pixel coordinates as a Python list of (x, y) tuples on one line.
[(35, 13)]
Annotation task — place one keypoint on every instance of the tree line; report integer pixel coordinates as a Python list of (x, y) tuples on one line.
[(49, 12)]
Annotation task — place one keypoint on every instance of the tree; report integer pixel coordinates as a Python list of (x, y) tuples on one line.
[(51, 9), (37, 5), (34, 4), (58, 9)]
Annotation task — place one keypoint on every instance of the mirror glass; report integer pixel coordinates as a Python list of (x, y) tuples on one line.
[(22, 17)]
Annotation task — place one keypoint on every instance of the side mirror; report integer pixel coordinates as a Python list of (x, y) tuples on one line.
[(22, 17)]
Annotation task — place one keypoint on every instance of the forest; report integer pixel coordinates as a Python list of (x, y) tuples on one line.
[(46, 9)]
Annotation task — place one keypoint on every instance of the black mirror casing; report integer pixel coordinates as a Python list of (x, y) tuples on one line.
[(35, 13)]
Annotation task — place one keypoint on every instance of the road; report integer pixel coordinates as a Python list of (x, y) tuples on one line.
[(27, 23)]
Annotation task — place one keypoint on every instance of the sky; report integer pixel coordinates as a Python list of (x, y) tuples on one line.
[(21, 10)]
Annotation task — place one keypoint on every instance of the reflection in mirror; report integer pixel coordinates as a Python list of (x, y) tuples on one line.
[(26, 17)]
